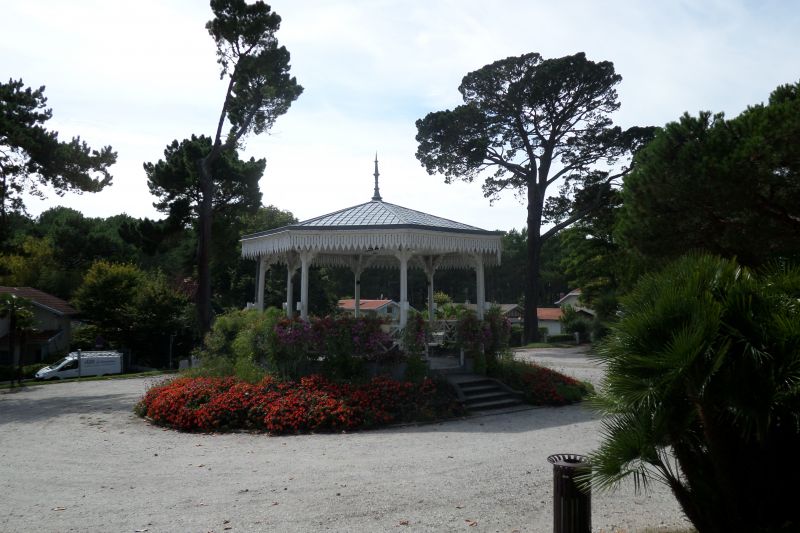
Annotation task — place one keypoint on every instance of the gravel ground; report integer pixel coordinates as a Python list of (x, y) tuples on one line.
[(73, 457)]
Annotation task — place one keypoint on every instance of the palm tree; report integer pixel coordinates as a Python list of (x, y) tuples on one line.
[(702, 393), (20, 318)]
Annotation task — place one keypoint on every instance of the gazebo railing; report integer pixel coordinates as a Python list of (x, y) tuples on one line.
[(442, 333)]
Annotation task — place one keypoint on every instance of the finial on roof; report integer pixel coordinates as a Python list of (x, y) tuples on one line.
[(377, 195)]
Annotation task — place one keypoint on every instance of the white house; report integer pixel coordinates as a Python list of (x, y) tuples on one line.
[(381, 308), (572, 299), (52, 333)]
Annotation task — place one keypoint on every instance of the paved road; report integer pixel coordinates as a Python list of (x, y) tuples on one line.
[(572, 361), (74, 458)]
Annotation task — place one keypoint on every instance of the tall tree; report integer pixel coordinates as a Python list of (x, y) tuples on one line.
[(176, 182), (259, 90), (20, 320), (526, 123), (31, 156), (730, 187)]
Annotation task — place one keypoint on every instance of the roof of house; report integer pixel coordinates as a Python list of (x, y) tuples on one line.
[(574, 292), (544, 313), (364, 305), (41, 299), (548, 313), (504, 308)]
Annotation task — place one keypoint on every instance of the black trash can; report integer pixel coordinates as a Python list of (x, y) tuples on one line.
[(572, 506)]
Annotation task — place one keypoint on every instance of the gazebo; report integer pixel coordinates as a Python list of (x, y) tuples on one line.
[(375, 234)]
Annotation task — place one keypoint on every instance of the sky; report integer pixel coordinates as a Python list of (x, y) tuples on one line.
[(137, 75)]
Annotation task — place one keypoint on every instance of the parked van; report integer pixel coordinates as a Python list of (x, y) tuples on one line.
[(82, 364)]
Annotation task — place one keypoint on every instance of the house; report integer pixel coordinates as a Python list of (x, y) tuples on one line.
[(572, 299), (512, 312), (549, 317), (381, 308), (52, 333)]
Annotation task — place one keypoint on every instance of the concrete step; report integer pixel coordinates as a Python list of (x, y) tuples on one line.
[(478, 393), (494, 404), (470, 399), (470, 389)]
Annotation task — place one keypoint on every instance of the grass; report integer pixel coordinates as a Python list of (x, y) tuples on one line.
[(549, 345), (10, 385)]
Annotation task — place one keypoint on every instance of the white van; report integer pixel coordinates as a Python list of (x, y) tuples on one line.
[(82, 364)]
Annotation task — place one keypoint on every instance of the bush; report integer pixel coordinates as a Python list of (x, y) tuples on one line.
[(539, 385), (701, 392), (563, 337), (415, 334), (573, 322), (280, 407), (238, 341), (9, 372), (499, 332)]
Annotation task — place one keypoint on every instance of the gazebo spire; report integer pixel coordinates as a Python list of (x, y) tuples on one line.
[(376, 197)]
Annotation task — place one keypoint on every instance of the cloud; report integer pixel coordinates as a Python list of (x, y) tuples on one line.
[(138, 75)]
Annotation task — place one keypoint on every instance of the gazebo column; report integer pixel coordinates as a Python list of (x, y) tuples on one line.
[(261, 280), (358, 295), (292, 262), (480, 292), (357, 264), (429, 265), (305, 263), (403, 257), (431, 310)]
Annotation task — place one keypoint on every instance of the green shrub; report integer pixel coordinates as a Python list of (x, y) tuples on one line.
[(574, 322), (9, 372), (539, 385), (701, 393), (416, 369), (239, 343), (599, 329), (498, 332), (562, 337), (84, 337), (343, 367), (415, 334)]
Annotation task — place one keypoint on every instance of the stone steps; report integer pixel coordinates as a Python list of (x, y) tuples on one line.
[(479, 393)]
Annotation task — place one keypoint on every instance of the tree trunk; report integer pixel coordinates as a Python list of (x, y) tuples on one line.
[(16, 357), (534, 246), (204, 247)]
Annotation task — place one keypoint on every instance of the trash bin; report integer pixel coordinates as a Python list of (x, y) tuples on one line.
[(572, 506)]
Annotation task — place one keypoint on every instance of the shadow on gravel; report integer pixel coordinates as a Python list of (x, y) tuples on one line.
[(508, 422), (14, 408)]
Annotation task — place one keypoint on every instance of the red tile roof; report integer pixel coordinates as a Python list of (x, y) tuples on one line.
[(548, 313), (366, 305), (42, 299)]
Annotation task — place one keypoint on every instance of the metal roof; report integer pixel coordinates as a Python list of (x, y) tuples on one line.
[(377, 214)]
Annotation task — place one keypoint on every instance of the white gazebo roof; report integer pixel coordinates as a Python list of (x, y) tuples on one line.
[(378, 229), (373, 234)]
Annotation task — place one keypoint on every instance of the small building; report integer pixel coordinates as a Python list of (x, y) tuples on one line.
[(513, 312), (380, 308), (550, 318), (573, 299), (52, 333)]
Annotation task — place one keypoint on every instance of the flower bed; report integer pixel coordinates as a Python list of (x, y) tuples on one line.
[(281, 407), (540, 385)]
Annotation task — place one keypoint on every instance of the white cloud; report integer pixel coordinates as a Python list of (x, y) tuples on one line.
[(137, 75)]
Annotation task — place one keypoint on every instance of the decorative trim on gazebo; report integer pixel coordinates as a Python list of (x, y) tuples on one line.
[(374, 234)]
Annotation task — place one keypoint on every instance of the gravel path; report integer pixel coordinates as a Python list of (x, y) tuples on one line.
[(74, 458)]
